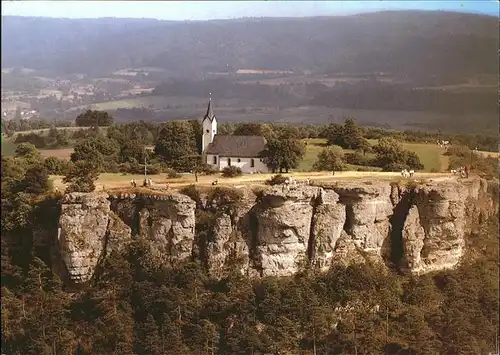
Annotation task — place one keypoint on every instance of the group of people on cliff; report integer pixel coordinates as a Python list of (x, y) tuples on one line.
[(145, 183)]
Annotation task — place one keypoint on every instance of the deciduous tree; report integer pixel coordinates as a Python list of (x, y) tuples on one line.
[(95, 118), (82, 176), (284, 154), (176, 141), (329, 159)]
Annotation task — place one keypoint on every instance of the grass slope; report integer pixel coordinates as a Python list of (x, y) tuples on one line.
[(431, 155)]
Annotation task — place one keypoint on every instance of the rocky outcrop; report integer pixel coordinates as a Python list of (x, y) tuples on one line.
[(368, 209), (435, 228), (423, 227), (88, 230), (327, 227), (283, 229), (169, 224)]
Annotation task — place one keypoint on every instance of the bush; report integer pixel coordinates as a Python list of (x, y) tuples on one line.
[(231, 171), (111, 166), (153, 169), (125, 168), (259, 193), (458, 151), (172, 174), (206, 169), (222, 198), (413, 161), (192, 192), (395, 167), (276, 180)]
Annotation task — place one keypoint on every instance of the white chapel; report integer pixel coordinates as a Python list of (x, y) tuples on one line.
[(220, 151)]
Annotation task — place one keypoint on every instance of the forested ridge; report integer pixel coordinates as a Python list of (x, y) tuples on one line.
[(406, 43)]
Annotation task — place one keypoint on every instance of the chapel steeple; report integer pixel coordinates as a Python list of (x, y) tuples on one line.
[(210, 112), (209, 124)]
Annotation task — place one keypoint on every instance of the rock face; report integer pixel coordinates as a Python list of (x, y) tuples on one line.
[(368, 209), (424, 226), (328, 224), (170, 226), (282, 231), (87, 231), (434, 231)]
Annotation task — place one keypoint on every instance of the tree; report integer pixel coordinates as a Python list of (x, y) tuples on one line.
[(53, 165), (12, 172), (82, 176), (348, 136), (35, 181), (94, 119), (28, 153), (197, 133), (283, 154), (286, 132), (391, 156), (149, 337), (413, 161), (117, 133), (329, 159), (176, 141), (248, 129), (132, 151), (96, 149)]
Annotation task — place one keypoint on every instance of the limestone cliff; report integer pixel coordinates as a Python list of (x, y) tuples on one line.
[(420, 228), (88, 230)]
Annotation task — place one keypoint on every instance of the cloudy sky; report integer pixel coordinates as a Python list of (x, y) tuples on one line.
[(206, 10)]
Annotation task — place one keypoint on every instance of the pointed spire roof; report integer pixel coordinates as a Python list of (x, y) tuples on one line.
[(210, 113)]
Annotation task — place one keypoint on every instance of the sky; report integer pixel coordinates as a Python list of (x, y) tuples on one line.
[(209, 10)]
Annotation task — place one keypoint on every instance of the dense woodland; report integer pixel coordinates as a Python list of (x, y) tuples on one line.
[(134, 306)]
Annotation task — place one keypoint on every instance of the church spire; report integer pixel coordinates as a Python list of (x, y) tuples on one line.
[(210, 113)]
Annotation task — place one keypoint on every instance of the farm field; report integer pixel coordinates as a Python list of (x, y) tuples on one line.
[(62, 153), (148, 101), (45, 131), (299, 79)]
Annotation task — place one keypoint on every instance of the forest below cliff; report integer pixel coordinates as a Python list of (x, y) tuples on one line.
[(134, 305)]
